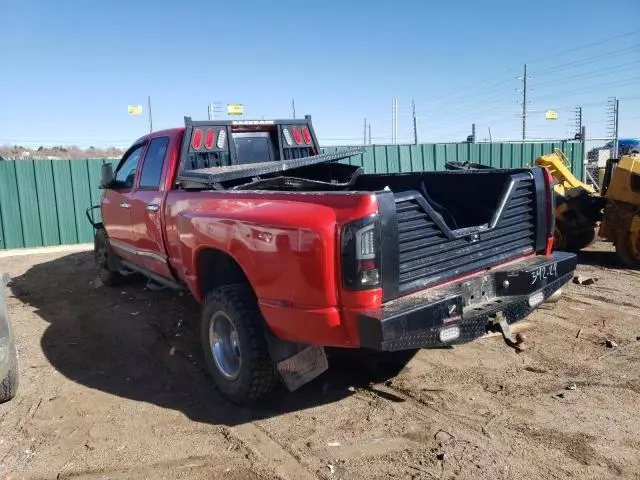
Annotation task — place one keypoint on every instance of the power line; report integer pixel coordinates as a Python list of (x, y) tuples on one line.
[(541, 59), (588, 60), (581, 76), (587, 45), (594, 88)]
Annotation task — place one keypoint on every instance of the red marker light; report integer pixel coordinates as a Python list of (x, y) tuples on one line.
[(196, 139), (306, 134), (296, 135), (208, 139)]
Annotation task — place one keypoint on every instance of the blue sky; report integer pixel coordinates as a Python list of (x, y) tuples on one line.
[(70, 68)]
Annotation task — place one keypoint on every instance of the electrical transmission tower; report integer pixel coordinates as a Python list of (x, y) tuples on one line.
[(613, 108), (394, 121), (215, 109), (577, 126), (524, 79)]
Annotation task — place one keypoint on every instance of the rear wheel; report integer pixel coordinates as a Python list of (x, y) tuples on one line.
[(629, 255), (234, 344), (102, 253)]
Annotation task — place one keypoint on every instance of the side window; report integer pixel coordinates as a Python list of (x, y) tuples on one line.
[(153, 161), (126, 174)]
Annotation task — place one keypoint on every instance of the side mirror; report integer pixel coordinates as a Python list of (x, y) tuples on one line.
[(106, 176)]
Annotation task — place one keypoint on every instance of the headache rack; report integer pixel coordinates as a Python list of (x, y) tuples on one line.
[(217, 151)]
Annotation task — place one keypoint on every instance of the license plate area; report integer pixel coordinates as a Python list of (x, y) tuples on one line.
[(478, 290), (302, 367)]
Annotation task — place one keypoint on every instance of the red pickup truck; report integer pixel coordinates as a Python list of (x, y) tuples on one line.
[(291, 250)]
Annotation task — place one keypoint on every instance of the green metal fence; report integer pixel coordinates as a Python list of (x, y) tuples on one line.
[(43, 202), (433, 156)]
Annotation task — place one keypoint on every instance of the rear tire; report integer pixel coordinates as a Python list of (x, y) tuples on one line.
[(234, 344), (102, 253)]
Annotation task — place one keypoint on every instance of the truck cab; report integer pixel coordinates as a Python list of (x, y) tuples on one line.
[(291, 250)]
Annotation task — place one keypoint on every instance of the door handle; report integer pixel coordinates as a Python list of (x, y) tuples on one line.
[(153, 207), (125, 205)]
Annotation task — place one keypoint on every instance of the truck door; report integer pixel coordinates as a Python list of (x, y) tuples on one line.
[(116, 204), (146, 208)]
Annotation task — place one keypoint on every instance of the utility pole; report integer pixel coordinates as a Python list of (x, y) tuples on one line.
[(293, 107), (415, 122), (150, 116), (364, 139), (490, 139), (583, 141), (393, 120), (369, 133), (616, 146), (614, 107), (524, 103), (209, 113)]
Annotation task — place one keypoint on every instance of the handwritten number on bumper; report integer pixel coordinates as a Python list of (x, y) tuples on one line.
[(544, 272)]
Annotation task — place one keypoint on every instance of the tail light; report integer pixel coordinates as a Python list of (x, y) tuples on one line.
[(551, 207), (208, 139), (360, 254), (222, 136), (306, 135), (296, 135), (196, 139), (287, 136)]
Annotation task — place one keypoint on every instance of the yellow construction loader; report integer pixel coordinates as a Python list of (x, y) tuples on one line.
[(581, 211)]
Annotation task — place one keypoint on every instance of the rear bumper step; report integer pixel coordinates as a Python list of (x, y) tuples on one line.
[(460, 312)]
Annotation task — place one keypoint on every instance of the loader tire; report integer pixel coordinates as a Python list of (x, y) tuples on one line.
[(571, 240), (101, 252), (625, 252), (234, 345)]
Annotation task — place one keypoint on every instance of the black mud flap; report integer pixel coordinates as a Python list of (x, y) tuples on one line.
[(296, 363)]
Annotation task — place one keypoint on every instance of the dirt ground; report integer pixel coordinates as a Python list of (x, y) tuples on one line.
[(113, 385)]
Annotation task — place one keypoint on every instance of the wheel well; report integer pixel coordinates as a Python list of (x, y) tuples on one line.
[(216, 268)]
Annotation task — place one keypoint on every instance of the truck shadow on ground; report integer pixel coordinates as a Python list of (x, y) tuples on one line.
[(144, 345)]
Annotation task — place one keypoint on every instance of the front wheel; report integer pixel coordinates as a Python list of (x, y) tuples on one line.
[(101, 253), (234, 344)]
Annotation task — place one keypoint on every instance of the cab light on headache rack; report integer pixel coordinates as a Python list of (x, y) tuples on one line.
[(287, 136), (306, 135), (222, 136), (196, 139), (208, 139), (296, 135)]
